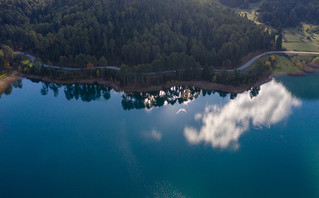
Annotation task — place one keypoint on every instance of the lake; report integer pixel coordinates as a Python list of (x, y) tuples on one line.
[(90, 141)]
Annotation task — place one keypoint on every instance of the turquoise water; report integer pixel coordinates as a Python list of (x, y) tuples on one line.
[(90, 141)]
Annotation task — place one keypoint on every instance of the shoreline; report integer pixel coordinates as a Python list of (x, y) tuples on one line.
[(10, 78), (7, 80), (200, 84), (204, 85)]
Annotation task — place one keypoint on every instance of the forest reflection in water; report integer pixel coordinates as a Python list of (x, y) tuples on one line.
[(223, 126), (130, 100), (135, 100)]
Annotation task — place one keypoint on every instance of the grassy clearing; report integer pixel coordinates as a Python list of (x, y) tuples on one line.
[(284, 65), (25, 62), (301, 39), (2, 75), (302, 58), (30, 64), (281, 64)]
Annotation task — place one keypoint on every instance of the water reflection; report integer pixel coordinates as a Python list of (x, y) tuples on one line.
[(16, 84), (158, 99), (223, 126), (87, 93), (131, 100), (134, 100), (84, 92)]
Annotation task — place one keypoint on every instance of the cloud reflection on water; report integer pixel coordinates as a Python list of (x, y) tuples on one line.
[(222, 126)]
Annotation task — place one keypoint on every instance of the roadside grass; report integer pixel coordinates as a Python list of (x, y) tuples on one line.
[(260, 61), (281, 64), (25, 62), (307, 58), (30, 64), (249, 56)]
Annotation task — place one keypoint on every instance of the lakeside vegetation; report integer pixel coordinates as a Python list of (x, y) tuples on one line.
[(278, 64), (129, 78), (194, 40), (289, 64)]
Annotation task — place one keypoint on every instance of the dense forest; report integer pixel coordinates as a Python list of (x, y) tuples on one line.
[(144, 35), (289, 13)]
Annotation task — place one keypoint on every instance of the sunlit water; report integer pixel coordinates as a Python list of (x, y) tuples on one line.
[(90, 141)]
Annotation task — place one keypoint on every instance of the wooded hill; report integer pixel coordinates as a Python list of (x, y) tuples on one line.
[(282, 13), (149, 35), (289, 13)]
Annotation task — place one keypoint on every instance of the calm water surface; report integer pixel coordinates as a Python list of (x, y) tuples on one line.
[(90, 141)]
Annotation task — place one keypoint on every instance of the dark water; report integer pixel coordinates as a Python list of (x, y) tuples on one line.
[(89, 141)]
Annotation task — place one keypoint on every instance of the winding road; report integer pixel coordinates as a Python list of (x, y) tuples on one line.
[(241, 68), (33, 59)]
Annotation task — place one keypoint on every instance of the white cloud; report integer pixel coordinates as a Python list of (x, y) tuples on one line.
[(222, 127)]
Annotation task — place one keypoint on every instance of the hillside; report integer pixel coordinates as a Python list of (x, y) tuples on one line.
[(289, 13), (282, 13), (150, 35)]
